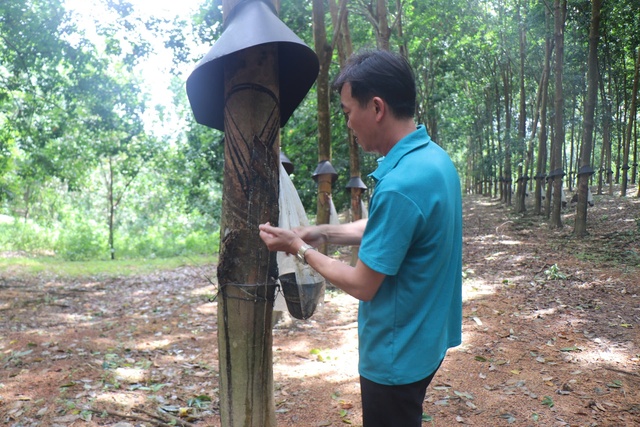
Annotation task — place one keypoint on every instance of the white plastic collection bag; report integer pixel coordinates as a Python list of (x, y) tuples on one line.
[(302, 286)]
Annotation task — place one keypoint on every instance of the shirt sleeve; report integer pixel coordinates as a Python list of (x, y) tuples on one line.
[(393, 220)]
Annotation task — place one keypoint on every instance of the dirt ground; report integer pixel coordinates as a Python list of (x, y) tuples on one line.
[(551, 338)]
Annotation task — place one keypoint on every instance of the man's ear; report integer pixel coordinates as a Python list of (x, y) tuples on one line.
[(380, 107)]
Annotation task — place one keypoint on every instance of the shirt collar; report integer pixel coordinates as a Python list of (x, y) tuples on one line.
[(415, 139)]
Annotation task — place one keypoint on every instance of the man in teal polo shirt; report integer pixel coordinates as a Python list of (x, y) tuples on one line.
[(409, 273)]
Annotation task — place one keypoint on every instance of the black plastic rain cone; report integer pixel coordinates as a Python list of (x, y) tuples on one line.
[(252, 23)]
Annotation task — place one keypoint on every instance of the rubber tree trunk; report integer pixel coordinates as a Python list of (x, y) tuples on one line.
[(523, 164), (632, 116), (558, 139), (506, 75), (247, 270), (541, 165), (324, 51), (342, 41), (580, 228)]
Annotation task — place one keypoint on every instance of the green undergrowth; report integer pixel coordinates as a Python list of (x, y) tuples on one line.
[(24, 267)]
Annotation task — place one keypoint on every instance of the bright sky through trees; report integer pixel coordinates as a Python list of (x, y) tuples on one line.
[(155, 69)]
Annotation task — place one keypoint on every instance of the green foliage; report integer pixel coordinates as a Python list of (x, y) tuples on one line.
[(29, 267), (427, 418), (548, 401), (20, 236), (162, 242), (82, 239), (554, 273), (202, 401), (76, 148)]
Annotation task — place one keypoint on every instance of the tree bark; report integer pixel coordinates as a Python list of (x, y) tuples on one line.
[(501, 177), (541, 171), (324, 51), (383, 32), (558, 139), (631, 116), (342, 40), (247, 271), (506, 76), (523, 165), (112, 208), (580, 228), (605, 172)]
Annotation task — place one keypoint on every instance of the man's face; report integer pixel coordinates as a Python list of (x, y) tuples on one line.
[(361, 120)]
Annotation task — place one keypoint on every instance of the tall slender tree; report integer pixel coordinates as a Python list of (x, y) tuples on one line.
[(630, 122), (560, 7), (541, 166), (585, 170), (324, 50), (522, 122)]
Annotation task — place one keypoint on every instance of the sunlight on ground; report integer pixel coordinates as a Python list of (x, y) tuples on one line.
[(322, 363), (476, 288), (482, 203), (608, 354), (124, 399), (509, 242), (131, 375), (208, 308), (154, 345), (205, 290)]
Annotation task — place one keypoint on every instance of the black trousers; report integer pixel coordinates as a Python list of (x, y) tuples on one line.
[(393, 405)]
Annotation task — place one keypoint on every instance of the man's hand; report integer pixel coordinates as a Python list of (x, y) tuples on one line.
[(279, 239)]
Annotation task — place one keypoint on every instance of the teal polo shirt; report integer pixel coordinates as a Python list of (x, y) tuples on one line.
[(414, 237)]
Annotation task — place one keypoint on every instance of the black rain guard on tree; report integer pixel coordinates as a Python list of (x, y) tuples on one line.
[(251, 23)]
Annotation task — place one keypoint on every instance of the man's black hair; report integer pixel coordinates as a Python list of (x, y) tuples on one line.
[(384, 74)]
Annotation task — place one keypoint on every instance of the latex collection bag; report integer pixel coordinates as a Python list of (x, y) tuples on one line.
[(302, 286)]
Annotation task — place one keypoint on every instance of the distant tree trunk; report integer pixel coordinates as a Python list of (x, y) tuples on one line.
[(383, 31), (376, 12), (541, 167), (618, 121), (26, 198), (560, 7), (404, 50), (634, 102), (247, 270), (508, 175), (572, 144), (429, 117), (634, 169), (501, 177), (523, 164), (113, 199), (342, 40), (585, 170), (112, 209), (635, 154), (548, 202), (631, 116), (324, 51), (541, 171), (603, 152), (605, 173)]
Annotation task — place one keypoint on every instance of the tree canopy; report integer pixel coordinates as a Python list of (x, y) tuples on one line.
[(78, 151)]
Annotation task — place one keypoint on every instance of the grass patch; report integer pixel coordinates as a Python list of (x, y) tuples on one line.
[(50, 266)]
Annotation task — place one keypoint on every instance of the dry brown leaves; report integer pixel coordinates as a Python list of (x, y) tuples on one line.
[(551, 332)]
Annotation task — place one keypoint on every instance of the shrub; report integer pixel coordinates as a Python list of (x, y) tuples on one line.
[(82, 240)]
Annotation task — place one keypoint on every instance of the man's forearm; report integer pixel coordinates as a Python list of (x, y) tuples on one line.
[(344, 234)]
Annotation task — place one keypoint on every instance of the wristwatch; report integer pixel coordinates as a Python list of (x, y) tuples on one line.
[(302, 251)]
